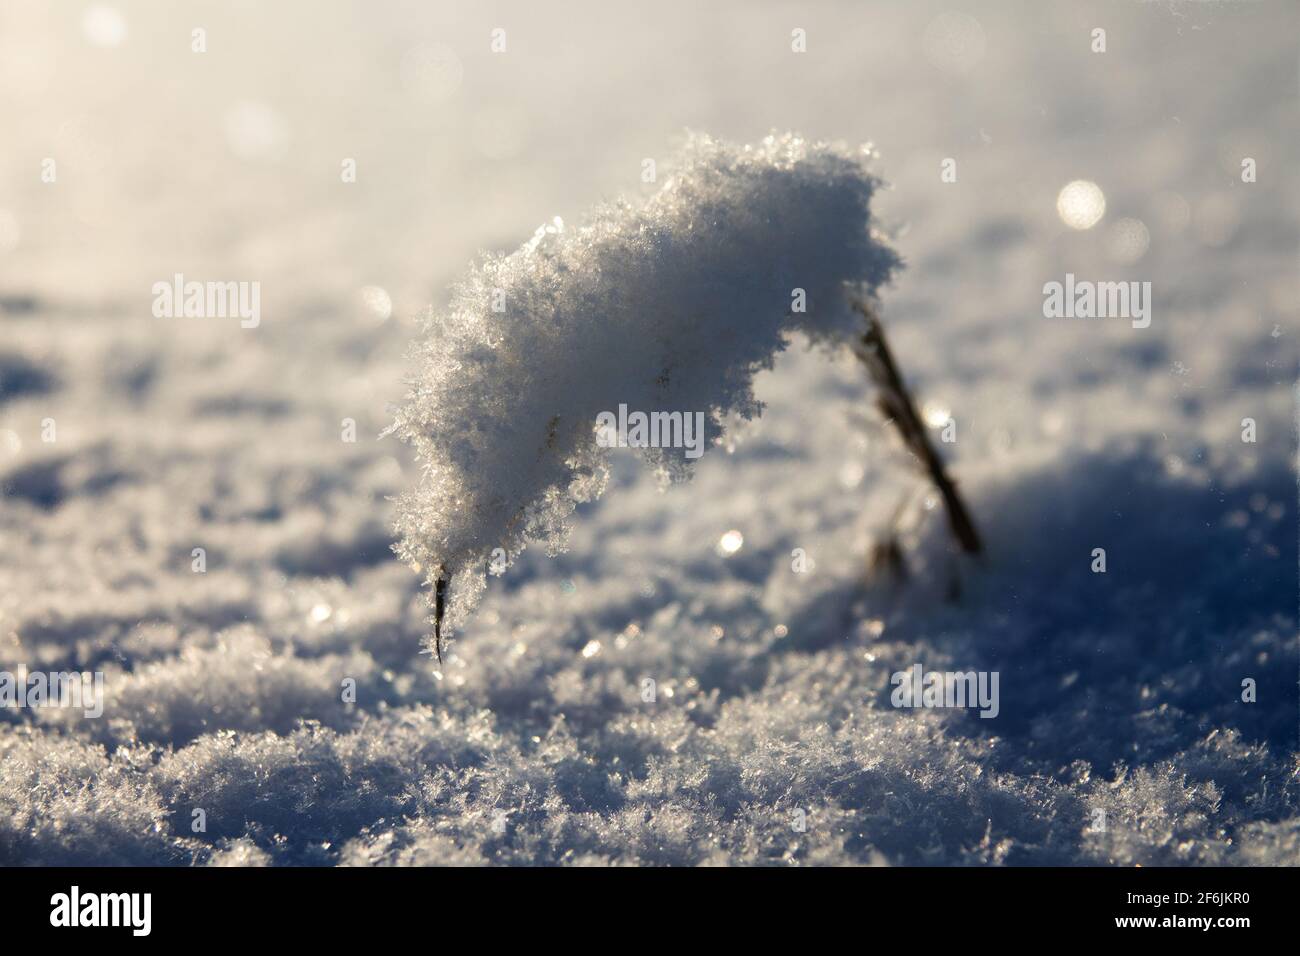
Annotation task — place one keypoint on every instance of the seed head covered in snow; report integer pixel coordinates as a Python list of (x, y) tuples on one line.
[(671, 304)]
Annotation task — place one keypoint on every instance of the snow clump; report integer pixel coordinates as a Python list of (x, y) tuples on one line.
[(670, 304)]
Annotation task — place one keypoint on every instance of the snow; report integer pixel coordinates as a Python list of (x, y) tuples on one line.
[(670, 306), (770, 736)]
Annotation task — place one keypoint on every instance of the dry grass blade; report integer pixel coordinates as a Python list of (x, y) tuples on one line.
[(896, 404), (439, 608)]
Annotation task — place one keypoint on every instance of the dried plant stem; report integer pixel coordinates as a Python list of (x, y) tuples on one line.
[(895, 403), (439, 608)]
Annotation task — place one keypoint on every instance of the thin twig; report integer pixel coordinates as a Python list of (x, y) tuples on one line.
[(439, 608), (895, 403)]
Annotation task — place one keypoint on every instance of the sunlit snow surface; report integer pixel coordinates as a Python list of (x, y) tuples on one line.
[(535, 742)]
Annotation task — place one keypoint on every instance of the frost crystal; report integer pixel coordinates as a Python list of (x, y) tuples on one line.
[(668, 304)]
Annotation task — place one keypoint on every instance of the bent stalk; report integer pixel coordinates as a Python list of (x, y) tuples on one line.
[(895, 403)]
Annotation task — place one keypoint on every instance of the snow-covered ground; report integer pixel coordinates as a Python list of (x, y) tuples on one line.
[(1122, 735)]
